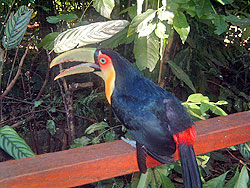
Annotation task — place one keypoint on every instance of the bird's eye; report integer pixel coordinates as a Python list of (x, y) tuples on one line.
[(103, 61)]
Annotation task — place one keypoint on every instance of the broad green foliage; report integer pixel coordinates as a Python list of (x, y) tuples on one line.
[(104, 7), (146, 51), (60, 17), (179, 73), (88, 34), (16, 27), (48, 41), (96, 127), (216, 182), (141, 22), (198, 106), (243, 179), (13, 144), (245, 150), (181, 26), (80, 142)]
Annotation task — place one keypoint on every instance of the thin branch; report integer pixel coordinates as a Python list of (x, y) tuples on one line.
[(13, 65), (6, 18), (12, 83), (23, 115), (46, 78), (238, 160)]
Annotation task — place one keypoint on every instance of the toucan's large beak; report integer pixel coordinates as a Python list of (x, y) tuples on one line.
[(77, 55)]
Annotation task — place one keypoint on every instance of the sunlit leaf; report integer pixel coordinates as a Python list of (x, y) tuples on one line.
[(16, 27), (147, 30), (243, 179), (165, 15), (146, 50), (160, 31), (96, 127), (145, 179), (180, 74), (140, 21), (13, 144), (181, 25), (216, 182), (88, 34), (197, 98), (139, 6), (117, 39), (225, 2), (104, 7)]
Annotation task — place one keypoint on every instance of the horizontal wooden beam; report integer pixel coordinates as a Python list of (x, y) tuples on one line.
[(102, 161)]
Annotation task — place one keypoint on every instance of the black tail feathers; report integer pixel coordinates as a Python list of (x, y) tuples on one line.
[(190, 171)]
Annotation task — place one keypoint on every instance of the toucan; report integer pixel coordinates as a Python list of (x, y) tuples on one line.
[(153, 117)]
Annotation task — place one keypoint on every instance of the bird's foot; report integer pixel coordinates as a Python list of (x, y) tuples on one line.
[(130, 142)]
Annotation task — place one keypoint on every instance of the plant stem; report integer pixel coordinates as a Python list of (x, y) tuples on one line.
[(12, 83), (7, 16), (85, 10)]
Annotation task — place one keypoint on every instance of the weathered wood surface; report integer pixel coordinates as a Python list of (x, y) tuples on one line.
[(94, 163)]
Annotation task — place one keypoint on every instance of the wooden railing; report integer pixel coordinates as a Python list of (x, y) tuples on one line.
[(102, 161)]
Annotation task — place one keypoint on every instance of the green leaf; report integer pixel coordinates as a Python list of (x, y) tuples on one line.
[(13, 144), (220, 24), (141, 21), (139, 6), (96, 127), (180, 74), (146, 51), (225, 2), (145, 179), (217, 110), (38, 103), (104, 7), (181, 26), (245, 33), (53, 109), (80, 142), (166, 182), (165, 15), (62, 17), (245, 150), (88, 34), (197, 98), (204, 108), (48, 41), (238, 21), (51, 127), (216, 182), (147, 30), (117, 39), (243, 179), (160, 31), (233, 180), (16, 27)]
